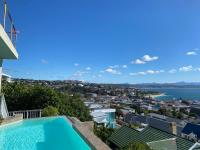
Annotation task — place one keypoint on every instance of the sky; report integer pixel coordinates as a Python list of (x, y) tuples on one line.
[(107, 41)]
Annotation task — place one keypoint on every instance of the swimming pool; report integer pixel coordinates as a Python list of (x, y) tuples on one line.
[(55, 133)]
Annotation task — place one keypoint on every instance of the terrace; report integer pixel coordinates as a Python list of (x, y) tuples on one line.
[(19, 126)]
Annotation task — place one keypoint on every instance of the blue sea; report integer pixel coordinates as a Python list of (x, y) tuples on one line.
[(178, 93)]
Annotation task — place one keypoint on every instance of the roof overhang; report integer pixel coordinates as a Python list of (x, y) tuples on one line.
[(7, 49)]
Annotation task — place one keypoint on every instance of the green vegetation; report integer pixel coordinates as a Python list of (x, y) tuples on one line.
[(50, 111), (103, 132), (26, 97), (138, 146), (134, 126)]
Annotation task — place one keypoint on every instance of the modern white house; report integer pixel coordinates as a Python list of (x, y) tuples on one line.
[(7, 50), (105, 116)]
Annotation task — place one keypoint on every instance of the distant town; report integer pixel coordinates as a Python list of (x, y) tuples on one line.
[(126, 105)]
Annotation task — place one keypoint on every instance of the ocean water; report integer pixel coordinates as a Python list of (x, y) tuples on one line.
[(177, 93), (41, 134)]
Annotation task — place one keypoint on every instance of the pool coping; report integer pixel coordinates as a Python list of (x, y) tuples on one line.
[(11, 120), (85, 130)]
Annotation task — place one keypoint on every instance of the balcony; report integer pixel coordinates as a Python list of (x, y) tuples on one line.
[(7, 34), (7, 49)]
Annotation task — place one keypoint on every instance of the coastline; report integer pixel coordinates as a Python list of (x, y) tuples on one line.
[(155, 95)]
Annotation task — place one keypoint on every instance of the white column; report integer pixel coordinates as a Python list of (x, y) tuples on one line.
[(1, 63)]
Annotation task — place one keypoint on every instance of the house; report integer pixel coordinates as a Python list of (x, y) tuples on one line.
[(104, 116), (7, 51), (191, 132), (156, 139), (195, 109), (161, 122)]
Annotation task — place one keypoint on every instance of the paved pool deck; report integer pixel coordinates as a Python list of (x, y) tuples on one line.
[(85, 129)]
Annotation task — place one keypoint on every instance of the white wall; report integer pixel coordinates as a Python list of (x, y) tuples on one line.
[(3, 107)]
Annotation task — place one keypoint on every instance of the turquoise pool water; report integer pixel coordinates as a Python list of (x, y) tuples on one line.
[(41, 134)]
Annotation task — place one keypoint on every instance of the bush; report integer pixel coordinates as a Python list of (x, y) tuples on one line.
[(138, 146), (22, 96), (50, 111), (102, 132)]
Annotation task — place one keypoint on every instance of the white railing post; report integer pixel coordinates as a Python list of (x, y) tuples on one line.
[(27, 114), (40, 115)]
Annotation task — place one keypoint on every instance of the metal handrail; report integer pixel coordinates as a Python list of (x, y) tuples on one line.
[(7, 21)]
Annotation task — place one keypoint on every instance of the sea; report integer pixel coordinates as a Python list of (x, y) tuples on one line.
[(177, 93)]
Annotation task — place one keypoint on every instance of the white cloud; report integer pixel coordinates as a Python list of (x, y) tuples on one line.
[(138, 61), (191, 53), (154, 71), (138, 73), (76, 64), (147, 72), (44, 61), (144, 59), (149, 58), (186, 68), (151, 72), (112, 71), (172, 71), (88, 68), (79, 73), (115, 66), (142, 73), (124, 66), (196, 69)]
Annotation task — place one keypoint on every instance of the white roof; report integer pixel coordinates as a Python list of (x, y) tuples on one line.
[(93, 106), (104, 110)]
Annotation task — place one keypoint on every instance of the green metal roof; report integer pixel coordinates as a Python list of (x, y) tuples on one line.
[(169, 144), (124, 135)]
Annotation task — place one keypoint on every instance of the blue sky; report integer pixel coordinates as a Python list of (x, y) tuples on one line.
[(113, 41)]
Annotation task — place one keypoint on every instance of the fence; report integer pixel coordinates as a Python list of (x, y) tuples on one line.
[(28, 114), (7, 22)]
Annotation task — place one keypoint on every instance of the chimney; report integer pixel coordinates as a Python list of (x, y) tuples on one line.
[(173, 128)]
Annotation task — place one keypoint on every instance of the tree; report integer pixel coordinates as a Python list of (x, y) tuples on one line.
[(50, 111), (102, 132), (138, 146), (21, 96)]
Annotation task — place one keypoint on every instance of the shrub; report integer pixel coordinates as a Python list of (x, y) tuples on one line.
[(50, 111), (23, 96), (138, 146)]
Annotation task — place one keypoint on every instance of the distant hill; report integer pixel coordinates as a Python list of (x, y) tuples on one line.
[(169, 85), (122, 85)]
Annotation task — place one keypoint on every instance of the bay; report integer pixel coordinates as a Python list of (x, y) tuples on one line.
[(177, 93)]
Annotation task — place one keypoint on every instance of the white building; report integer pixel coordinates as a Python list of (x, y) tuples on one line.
[(7, 50), (104, 116)]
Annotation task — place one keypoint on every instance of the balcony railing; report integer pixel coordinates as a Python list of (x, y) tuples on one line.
[(7, 22), (28, 114)]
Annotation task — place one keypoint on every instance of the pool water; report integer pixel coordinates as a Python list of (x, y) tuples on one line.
[(54, 133)]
